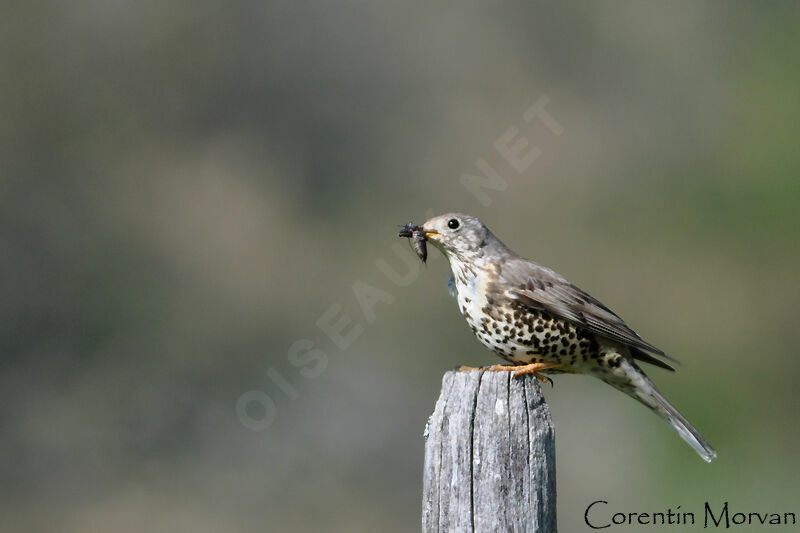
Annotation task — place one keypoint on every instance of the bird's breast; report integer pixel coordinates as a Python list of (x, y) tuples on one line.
[(471, 297)]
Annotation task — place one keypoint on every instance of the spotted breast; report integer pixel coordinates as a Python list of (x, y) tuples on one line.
[(522, 335)]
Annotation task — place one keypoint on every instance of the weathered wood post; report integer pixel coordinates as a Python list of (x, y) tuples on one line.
[(489, 456)]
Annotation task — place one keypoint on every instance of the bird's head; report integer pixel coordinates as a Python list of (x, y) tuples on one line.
[(458, 236)]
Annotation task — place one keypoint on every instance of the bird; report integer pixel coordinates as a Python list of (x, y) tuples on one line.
[(539, 322)]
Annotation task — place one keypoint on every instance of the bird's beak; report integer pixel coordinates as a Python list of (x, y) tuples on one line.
[(430, 232)]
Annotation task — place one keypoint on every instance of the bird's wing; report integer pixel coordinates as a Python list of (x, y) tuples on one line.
[(543, 289)]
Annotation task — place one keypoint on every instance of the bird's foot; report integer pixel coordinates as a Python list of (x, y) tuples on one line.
[(522, 370)]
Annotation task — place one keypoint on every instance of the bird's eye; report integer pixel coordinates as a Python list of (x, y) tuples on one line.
[(452, 223)]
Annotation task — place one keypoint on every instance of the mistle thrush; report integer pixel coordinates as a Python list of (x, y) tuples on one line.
[(540, 322)]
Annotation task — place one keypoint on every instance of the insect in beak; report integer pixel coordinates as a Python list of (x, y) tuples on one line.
[(418, 236)]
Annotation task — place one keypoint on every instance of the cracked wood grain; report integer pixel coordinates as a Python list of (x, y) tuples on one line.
[(489, 456)]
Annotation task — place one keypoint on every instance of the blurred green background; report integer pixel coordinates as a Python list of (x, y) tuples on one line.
[(186, 187)]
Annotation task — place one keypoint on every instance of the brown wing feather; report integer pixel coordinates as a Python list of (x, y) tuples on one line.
[(541, 288)]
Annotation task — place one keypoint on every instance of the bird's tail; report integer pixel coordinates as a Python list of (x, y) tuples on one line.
[(645, 391), (687, 432)]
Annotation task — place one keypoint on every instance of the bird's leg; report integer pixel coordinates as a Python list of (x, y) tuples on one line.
[(497, 368), (532, 368)]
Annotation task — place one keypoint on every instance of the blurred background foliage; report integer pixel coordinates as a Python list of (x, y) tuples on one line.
[(187, 186)]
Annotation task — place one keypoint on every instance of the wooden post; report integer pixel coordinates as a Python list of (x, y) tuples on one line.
[(489, 456)]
